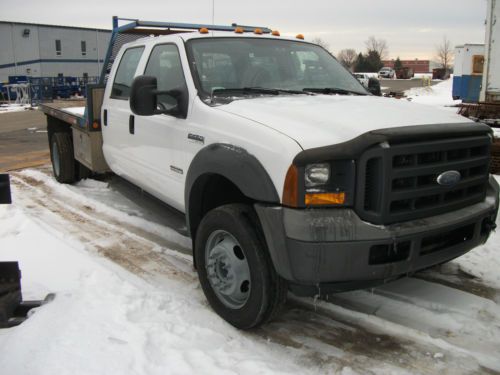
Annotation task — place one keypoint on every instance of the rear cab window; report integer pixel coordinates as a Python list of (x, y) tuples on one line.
[(125, 73)]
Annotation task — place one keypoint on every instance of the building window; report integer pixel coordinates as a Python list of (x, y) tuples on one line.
[(58, 47), (84, 48), (60, 75)]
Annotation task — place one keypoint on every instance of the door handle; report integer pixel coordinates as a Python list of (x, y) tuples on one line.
[(131, 124), (105, 117)]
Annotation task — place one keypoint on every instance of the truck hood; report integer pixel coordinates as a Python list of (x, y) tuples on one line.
[(321, 120)]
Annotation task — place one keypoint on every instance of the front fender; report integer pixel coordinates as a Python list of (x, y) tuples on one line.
[(235, 164)]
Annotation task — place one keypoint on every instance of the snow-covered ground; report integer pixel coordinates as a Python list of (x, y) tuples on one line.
[(438, 95), (128, 302)]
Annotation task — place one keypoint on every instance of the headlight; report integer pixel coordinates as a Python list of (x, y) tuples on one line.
[(316, 174), (320, 184)]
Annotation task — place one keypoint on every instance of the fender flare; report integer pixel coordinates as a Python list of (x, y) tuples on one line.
[(233, 163)]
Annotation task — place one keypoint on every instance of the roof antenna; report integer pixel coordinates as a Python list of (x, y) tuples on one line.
[(213, 12)]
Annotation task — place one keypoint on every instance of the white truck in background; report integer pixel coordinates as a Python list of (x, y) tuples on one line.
[(490, 90), (291, 175)]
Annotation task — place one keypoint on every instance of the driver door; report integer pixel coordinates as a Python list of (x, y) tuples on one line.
[(159, 139)]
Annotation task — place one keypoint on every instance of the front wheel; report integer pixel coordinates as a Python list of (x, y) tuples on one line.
[(234, 267)]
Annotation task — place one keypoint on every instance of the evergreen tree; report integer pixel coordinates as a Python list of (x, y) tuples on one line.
[(398, 64)]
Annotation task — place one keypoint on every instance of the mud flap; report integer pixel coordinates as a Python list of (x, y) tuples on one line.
[(5, 197), (13, 310)]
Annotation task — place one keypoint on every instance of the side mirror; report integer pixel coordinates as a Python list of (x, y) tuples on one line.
[(5, 197), (144, 98)]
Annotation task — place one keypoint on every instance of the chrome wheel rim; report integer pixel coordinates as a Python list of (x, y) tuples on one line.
[(227, 269)]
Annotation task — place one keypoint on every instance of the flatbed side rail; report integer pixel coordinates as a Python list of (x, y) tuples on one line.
[(59, 113)]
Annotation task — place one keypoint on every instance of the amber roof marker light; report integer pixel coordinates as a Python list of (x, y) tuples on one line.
[(203, 30), (239, 30), (300, 36), (275, 33), (258, 31)]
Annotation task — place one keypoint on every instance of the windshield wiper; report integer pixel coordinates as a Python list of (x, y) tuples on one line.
[(333, 90), (253, 91)]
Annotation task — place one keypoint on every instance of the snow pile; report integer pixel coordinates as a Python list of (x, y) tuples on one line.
[(79, 111), (438, 95), (4, 108), (422, 75)]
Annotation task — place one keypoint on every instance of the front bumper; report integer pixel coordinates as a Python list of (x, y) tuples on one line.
[(334, 250)]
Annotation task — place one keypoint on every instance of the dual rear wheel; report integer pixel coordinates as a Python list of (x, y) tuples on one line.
[(64, 166)]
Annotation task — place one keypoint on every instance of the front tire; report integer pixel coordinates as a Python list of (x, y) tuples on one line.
[(234, 268)]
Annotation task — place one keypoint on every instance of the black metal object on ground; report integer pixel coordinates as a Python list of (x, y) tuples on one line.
[(489, 114), (5, 196), (485, 112), (13, 310)]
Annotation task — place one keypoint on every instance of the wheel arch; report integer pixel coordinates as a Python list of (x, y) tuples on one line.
[(231, 168)]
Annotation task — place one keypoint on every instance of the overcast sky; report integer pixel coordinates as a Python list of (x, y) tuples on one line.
[(412, 29)]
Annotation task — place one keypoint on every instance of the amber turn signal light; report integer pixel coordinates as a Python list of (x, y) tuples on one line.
[(324, 198), (290, 188)]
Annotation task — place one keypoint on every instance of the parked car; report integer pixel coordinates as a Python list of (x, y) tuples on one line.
[(290, 174), (386, 72), (363, 78)]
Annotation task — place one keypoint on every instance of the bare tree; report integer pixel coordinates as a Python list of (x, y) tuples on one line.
[(347, 57), (377, 45), (320, 42), (444, 53)]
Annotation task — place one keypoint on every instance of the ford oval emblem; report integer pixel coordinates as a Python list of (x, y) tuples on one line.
[(449, 178)]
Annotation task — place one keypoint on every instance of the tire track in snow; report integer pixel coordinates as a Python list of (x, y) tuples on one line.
[(328, 341)]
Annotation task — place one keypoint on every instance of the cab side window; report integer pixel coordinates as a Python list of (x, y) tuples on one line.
[(125, 73), (165, 64)]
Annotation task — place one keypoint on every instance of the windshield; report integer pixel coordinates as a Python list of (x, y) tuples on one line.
[(226, 64)]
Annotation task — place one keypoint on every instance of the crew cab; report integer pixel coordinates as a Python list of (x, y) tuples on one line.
[(292, 176)]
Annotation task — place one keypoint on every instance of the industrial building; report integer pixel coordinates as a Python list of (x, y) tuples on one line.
[(37, 50), (418, 66)]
